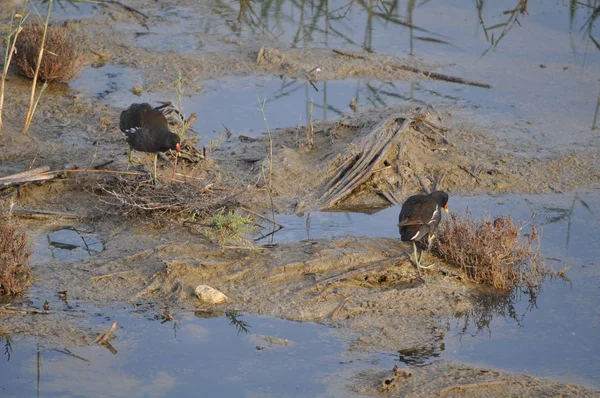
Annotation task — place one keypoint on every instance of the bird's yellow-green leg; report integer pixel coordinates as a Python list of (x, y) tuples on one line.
[(430, 239), (155, 159), (131, 155), (417, 256)]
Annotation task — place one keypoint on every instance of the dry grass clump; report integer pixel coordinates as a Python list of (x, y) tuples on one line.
[(15, 273), (229, 227), (492, 251), (62, 55)]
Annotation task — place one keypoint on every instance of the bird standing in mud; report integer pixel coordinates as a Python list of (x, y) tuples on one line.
[(420, 216), (147, 130)]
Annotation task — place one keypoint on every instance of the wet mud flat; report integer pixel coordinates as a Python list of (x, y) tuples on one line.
[(155, 261)]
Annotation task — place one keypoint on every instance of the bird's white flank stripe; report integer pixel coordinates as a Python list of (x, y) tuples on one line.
[(133, 130), (435, 214), (417, 234)]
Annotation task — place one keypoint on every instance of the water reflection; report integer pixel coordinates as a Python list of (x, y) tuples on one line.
[(73, 243), (492, 305), (211, 352), (7, 345)]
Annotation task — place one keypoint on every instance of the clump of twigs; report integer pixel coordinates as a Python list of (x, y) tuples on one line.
[(492, 251), (61, 60), (15, 273), (136, 196)]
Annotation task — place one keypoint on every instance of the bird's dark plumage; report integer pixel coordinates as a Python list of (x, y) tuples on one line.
[(421, 214), (147, 129)]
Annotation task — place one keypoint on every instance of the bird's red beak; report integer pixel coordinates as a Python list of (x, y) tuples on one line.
[(446, 208), (178, 147)]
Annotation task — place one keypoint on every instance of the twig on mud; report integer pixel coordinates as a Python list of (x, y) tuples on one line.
[(460, 166), (103, 164), (441, 76), (104, 337), (261, 216), (426, 73), (356, 271), (339, 308), (43, 214), (462, 387), (100, 277), (437, 180), (381, 169), (27, 176), (391, 197), (94, 171), (347, 54), (24, 310), (422, 183)]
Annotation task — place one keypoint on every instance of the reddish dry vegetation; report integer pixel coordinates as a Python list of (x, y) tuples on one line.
[(492, 251), (62, 55), (15, 274)]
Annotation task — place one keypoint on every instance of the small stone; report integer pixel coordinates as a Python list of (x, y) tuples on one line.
[(209, 295), (137, 90)]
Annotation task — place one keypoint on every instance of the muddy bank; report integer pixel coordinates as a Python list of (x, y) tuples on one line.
[(448, 379), (392, 308), (464, 158)]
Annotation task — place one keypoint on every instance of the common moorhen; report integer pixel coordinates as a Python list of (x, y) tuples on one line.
[(420, 216), (147, 130)]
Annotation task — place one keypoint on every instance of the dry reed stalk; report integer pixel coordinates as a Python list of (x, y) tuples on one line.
[(11, 41), (32, 101), (310, 128)]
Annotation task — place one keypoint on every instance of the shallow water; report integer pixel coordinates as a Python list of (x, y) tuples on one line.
[(196, 352), (558, 337), (545, 71)]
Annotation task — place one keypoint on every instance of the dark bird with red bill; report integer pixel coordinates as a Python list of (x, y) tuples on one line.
[(147, 130), (420, 217)]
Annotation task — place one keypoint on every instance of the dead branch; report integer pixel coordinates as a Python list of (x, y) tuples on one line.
[(339, 308), (381, 138), (104, 337), (43, 214), (422, 183), (423, 72), (38, 174), (261, 216), (440, 76)]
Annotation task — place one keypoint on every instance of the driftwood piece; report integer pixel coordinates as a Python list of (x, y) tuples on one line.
[(43, 214), (38, 174), (103, 338), (381, 138)]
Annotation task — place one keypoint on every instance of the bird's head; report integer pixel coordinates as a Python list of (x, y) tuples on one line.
[(441, 199), (174, 142)]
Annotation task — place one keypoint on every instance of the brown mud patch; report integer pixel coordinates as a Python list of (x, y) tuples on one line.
[(449, 379)]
